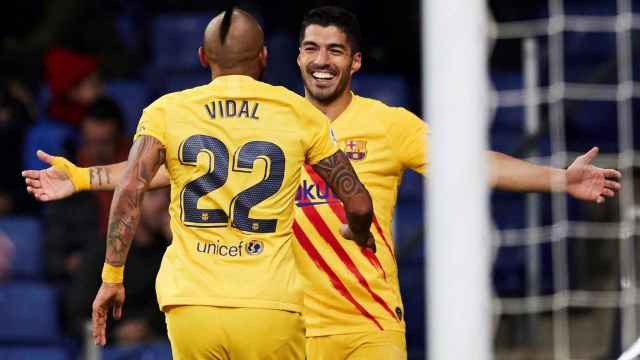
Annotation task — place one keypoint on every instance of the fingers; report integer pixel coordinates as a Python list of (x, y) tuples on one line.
[(38, 193), (99, 326), (612, 173), (117, 311), (600, 199), (31, 174), (608, 192), (43, 156), (591, 154), (33, 183), (371, 243), (614, 185), (345, 231)]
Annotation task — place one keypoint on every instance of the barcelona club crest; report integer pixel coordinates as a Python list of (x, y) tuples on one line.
[(355, 149)]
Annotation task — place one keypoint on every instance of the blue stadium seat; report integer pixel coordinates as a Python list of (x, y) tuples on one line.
[(170, 82), (155, 351), (132, 97), (390, 89), (51, 136), (283, 69), (33, 353), (506, 80), (411, 187), (175, 40), (28, 313), (408, 223), (26, 235)]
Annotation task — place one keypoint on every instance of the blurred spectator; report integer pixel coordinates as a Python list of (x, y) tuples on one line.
[(16, 115), (68, 237), (74, 84), (142, 320), (7, 250)]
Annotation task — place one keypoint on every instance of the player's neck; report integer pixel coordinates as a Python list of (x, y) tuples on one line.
[(334, 108)]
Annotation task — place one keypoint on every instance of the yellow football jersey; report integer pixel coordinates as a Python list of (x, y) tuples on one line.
[(348, 289), (234, 151)]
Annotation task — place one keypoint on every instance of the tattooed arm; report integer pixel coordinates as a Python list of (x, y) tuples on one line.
[(63, 178), (337, 172), (146, 156), (107, 176)]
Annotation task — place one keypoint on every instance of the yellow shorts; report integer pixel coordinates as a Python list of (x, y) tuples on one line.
[(379, 345), (220, 333)]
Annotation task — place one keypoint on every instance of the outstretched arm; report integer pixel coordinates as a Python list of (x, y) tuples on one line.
[(581, 179), (337, 172), (145, 158), (64, 178)]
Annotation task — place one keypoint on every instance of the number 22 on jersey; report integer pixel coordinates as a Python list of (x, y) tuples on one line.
[(207, 184)]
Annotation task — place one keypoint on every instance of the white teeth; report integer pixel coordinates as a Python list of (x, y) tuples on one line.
[(322, 75)]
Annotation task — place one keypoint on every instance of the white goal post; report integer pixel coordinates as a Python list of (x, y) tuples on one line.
[(456, 104)]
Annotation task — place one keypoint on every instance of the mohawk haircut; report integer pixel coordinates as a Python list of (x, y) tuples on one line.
[(226, 24), (336, 16)]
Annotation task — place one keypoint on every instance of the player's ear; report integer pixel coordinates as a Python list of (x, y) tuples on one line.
[(356, 62), (203, 57), (264, 54)]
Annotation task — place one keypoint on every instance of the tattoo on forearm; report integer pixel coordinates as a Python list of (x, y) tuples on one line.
[(337, 171), (99, 175), (146, 156)]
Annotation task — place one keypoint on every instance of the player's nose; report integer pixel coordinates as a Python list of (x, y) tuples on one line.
[(321, 58)]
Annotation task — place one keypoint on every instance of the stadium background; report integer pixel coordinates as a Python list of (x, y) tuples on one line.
[(564, 274)]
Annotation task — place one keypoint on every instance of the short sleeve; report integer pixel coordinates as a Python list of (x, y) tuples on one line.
[(409, 139), (153, 122), (321, 141)]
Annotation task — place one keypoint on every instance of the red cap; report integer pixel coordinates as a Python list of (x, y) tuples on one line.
[(65, 68)]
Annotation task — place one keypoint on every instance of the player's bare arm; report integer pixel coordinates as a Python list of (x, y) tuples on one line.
[(581, 179), (145, 158), (337, 172), (64, 178)]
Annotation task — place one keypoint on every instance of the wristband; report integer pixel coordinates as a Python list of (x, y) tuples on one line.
[(112, 274), (79, 176)]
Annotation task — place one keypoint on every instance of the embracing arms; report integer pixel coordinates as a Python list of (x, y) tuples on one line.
[(337, 172)]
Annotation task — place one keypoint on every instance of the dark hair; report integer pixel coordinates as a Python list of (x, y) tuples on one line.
[(104, 109), (226, 24), (334, 16)]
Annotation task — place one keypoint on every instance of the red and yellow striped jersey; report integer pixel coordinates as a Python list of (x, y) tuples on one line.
[(348, 289), (234, 152)]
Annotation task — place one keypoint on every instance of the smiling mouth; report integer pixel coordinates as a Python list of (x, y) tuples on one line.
[(322, 75)]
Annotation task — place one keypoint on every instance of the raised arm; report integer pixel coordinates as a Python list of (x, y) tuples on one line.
[(145, 158), (337, 172), (581, 179), (64, 178)]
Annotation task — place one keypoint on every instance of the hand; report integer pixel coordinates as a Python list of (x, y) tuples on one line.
[(590, 183), (367, 240), (49, 184), (109, 296)]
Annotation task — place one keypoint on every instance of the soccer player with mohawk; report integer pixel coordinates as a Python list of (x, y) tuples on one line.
[(352, 302), (228, 283)]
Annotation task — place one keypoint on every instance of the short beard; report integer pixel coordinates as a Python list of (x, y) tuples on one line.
[(331, 97)]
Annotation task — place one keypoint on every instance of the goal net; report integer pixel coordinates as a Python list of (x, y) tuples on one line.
[(565, 273)]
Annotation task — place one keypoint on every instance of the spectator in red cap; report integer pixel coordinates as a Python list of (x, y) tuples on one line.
[(74, 84)]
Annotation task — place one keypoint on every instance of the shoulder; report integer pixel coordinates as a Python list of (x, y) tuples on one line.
[(165, 100), (391, 117)]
